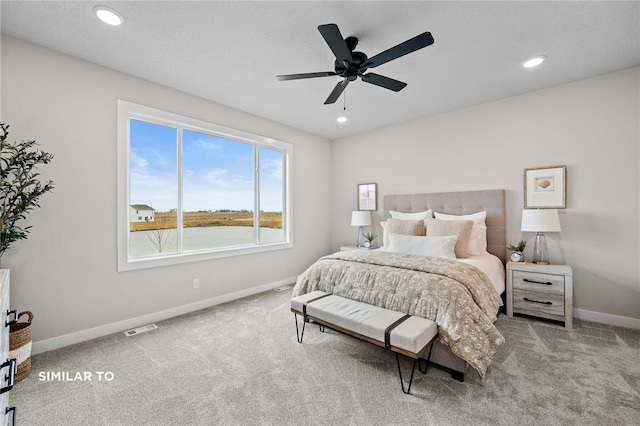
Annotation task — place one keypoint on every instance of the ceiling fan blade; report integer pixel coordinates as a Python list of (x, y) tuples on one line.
[(306, 75), (406, 47), (337, 91), (334, 39), (382, 81)]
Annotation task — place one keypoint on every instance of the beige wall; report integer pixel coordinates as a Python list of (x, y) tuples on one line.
[(66, 271), (591, 126)]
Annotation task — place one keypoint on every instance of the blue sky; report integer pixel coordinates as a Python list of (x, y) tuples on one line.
[(217, 172)]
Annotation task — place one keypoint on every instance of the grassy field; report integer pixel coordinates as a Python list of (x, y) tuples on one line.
[(202, 219)]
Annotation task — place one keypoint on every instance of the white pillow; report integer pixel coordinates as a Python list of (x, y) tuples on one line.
[(410, 216), (478, 240), (443, 247), (477, 218)]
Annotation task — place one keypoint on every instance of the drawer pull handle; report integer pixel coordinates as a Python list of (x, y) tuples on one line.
[(526, 280), (9, 322), (9, 410), (537, 301), (11, 363)]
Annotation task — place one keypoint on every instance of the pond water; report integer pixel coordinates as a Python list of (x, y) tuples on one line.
[(146, 242)]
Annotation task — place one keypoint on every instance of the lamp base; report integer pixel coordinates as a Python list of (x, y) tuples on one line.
[(361, 237), (540, 253)]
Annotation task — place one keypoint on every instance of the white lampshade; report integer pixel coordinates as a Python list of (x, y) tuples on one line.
[(360, 218), (540, 220)]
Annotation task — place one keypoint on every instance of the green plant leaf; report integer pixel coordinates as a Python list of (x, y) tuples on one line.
[(20, 186)]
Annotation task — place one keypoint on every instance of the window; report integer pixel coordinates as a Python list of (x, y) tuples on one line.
[(190, 190)]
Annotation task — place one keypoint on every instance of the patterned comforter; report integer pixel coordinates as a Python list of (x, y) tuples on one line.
[(458, 297)]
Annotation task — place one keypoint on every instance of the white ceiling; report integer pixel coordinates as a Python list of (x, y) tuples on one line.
[(230, 52)]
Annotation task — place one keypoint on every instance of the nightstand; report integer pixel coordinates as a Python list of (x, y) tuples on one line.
[(349, 248), (544, 291)]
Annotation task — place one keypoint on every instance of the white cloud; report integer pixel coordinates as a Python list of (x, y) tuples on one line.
[(215, 177), (137, 161)]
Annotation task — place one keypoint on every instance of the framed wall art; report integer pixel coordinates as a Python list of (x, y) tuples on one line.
[(367, 199), (545, 188)]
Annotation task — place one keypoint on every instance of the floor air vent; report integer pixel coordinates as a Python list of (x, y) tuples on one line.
[(139, 330), (283, 288)]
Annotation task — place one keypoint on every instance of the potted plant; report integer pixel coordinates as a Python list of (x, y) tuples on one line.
[(369, 237), (517, 251), (20, 191)]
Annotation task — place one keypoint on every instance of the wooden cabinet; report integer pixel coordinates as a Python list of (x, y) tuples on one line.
[(7, 366), (544, 291)]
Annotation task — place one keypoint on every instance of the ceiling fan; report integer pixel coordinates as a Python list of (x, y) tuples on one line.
[(350, 64)]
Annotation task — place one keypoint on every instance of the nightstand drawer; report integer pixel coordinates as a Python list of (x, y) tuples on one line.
[(533, 281), (536, 303)]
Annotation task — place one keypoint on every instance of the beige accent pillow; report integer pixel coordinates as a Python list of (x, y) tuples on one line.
[(478, 241), (459, 228), (404, 227)]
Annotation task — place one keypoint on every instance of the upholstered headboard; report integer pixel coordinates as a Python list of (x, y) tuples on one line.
[(465, 202)]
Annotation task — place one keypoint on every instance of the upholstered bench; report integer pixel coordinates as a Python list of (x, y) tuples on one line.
[(402, 334)]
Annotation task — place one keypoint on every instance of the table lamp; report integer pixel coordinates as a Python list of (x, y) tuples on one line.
[(540, 221), (361, 218)]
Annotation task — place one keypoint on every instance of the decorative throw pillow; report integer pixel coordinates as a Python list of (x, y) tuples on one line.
[(443, 247), (459, 228), (478, 240), (404, 227)]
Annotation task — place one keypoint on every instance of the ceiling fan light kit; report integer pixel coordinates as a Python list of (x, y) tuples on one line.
[(350, 64)]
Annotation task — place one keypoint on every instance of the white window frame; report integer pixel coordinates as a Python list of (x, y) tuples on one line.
[(128, 111)]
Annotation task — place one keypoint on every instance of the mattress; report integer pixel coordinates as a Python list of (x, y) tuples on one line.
[(490, 265)]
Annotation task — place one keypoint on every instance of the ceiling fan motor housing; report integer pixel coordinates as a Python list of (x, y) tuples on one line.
[(354, 68)]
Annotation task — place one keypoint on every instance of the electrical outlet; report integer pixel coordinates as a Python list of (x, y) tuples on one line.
[(196, 283)]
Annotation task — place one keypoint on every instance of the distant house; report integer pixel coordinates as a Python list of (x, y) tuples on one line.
[(142, 213)]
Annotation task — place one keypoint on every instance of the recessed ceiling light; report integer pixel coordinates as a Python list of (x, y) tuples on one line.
[(533, 62), (108, 16), (341, 119)]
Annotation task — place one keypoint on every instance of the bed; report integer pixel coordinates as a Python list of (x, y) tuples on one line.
[(459, 291)]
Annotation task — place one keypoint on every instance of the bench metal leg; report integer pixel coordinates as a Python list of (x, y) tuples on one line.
[(415, 361), (413, 369), (299, 335)]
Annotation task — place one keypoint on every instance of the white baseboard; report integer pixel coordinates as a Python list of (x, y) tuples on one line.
[(607, 319), (116, 327)]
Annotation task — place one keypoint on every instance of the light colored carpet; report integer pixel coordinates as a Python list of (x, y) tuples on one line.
[(239, 364)]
